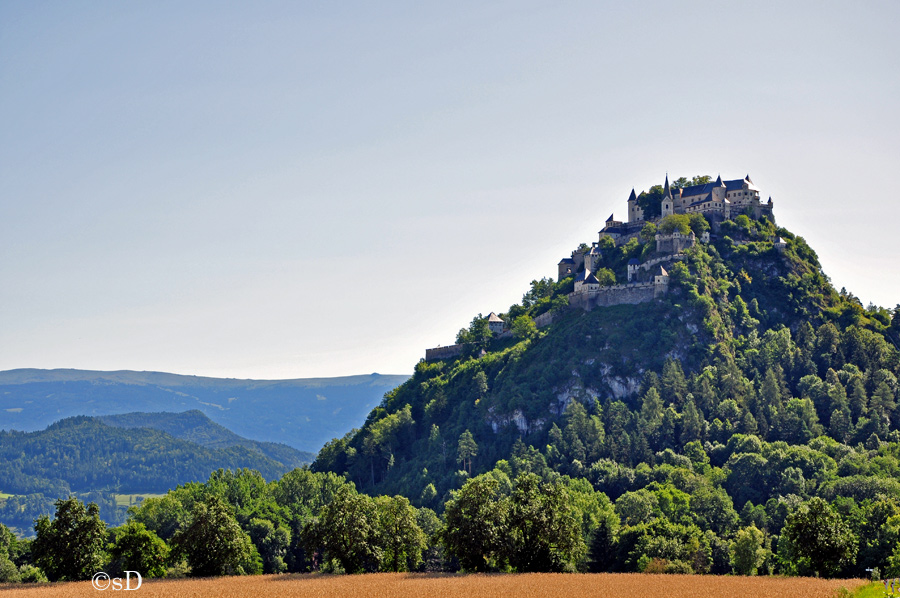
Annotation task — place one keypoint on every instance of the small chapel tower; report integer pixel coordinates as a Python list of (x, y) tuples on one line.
[(668, 203)]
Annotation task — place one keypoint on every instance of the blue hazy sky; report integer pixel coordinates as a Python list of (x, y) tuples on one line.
[(297, 189)]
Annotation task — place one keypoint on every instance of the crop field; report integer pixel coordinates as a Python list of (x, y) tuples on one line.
[(400, 585), (127, 500)]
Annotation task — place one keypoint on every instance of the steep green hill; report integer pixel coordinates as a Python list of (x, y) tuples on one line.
[(753, 382)]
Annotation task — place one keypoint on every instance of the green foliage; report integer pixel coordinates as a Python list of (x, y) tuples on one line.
[(523, 327), (606, 277), (71, 547), (752, 407), (680, 223), (133, 547), (213, 543), (815, 539), (347, 530), (401, 538), (83, 454), (544, 527), (478, 334), (747, 552), (467, 448), (475, 525)]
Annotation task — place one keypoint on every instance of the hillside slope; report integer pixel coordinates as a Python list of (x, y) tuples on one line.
[(194, 426), (752, 385), (83, 454), (302, 413)]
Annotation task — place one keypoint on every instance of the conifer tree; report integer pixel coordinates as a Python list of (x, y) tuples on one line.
[(467, 449)]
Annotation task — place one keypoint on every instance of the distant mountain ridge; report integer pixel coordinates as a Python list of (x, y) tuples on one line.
[(302, 413)]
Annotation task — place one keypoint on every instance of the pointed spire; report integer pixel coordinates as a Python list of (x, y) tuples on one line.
[(610, 219), (719, 182), (667, 192), (747, 178), (632, 197)]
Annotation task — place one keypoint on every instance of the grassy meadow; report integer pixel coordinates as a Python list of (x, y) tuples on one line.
[(405, 585)]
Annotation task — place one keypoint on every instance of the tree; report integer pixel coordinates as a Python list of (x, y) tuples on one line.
[(478, 334), (9, 573), (135, 548), (273, 542), (606, 277), (816, 539), (523, 327), (747, 552), (401, 538), (213, 543), (475, 524), (544, 533), (71, 547), (680, 223), (698, 223), (467, 450), (648, 232), (348, 530)]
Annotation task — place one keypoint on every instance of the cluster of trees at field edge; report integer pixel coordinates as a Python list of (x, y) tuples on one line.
[(236, 523)]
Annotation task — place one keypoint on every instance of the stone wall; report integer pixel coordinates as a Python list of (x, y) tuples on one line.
[(675, 243), (545, 319), (443, 352), (619, 294)]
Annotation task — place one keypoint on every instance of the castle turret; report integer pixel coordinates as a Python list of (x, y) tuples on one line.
[(495, 323), (592, 258), (668, 203), (635, 212), (633, 265), (566, 268), (660, 282)]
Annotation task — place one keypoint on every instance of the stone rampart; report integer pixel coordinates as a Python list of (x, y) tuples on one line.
[(659, 260), (619, 294), (443, 352), (545, 319)]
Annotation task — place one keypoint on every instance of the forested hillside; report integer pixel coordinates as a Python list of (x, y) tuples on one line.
[(85, 456), (750, 389)]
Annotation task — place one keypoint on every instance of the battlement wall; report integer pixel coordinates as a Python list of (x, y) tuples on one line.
[(443, 352), (659, 260), (620, 294)]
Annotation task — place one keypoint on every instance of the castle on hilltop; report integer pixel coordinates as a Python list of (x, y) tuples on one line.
[(717, 202)]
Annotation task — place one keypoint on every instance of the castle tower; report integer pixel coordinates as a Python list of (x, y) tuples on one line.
[(592, 258), (566, 268), (633, 265), (668, 203), (660, 282), (635, 212)]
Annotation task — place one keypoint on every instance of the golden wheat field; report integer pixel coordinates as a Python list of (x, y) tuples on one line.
[(400, 585)]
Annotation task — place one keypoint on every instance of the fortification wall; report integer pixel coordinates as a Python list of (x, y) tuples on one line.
[(443, 352), (545, 319), (617, 295), (659, 260)]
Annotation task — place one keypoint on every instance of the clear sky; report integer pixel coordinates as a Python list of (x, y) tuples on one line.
[(300, 189)]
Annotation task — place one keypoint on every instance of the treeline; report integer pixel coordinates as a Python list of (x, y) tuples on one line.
[(237, 523)]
